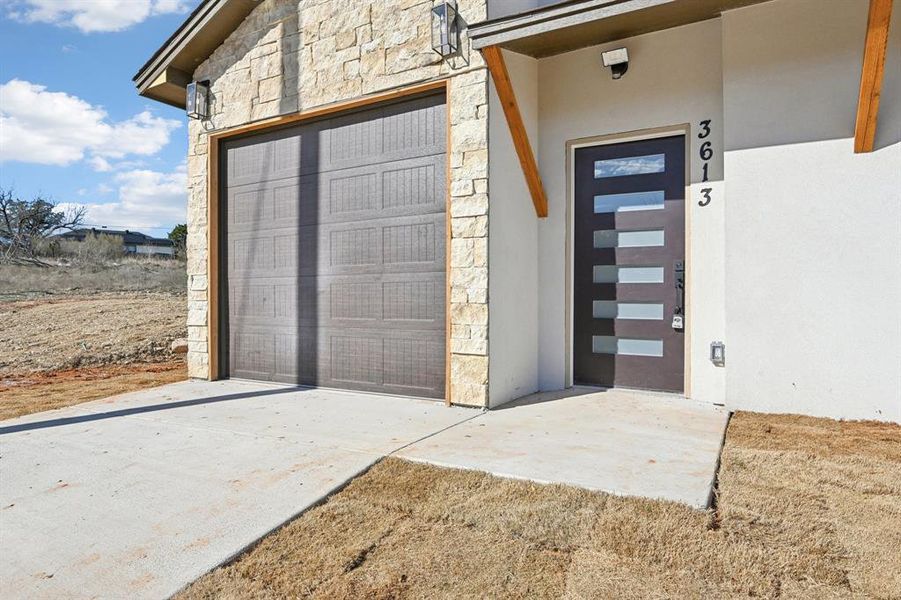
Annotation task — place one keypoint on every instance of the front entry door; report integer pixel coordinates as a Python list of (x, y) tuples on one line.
[(629, 265)]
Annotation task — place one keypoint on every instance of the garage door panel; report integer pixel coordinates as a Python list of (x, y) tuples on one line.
[(389, 302), (251, 208), (263, 206), (412, 366), (404, 362), (251, 254), (278, 253), (402, 245), (267, 353), (336, 264), (266, 157), (413, 244), (405, 244), (414, 302), (383, 134), (390, 189), (415, 132), (404, 188), (284, 302), (253, 352), (410, 363), (386, 134)]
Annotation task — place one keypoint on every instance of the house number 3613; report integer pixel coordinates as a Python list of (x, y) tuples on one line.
[(706, 153)]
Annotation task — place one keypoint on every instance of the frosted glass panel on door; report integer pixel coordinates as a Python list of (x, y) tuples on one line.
[(610, 238), (610, 309), (615, 274), (630, 165), (616, 203), (608, 344)]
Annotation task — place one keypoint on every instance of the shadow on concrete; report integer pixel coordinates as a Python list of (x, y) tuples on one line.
[(542, 397), (137, 410)]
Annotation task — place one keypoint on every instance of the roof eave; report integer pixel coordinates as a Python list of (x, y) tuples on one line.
[(568, 26), (165, 75)]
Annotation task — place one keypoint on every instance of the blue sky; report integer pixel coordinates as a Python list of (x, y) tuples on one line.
[(72, 126)]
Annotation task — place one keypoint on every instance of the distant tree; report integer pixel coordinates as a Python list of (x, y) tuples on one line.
[(179, 237), (25, 223)]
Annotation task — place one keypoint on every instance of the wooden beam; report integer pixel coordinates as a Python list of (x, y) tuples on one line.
[(871, 74), (448, 234), (494, 58), (328, 109), (212, 253)]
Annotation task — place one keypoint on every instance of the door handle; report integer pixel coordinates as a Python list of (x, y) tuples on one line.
[(679, 284)]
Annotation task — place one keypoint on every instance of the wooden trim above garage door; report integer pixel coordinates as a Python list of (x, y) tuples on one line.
[(329, 109), (213, 191)]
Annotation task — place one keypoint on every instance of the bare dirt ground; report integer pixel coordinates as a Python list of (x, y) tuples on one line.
[(807, 508), (47, 391), (69, 334), (66, 332)]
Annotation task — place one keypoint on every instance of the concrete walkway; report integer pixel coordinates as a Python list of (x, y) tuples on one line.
[(138, 495), (629, 443)]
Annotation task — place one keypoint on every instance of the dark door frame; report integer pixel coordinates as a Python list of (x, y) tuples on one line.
[(683, 129)]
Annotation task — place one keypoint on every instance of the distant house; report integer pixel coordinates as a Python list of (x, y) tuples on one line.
[(133, 242)]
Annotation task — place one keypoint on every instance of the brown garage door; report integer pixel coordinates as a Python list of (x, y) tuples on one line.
[(334, 251)]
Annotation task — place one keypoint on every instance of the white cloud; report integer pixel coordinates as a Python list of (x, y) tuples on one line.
[(142, 134), (146, 198), (100, 164), (93, 15), (55, 128)]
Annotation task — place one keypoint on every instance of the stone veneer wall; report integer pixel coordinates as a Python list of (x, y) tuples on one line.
[(293, 55)]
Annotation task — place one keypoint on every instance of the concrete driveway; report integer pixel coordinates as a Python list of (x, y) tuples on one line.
[(138, 495), (622, 442)]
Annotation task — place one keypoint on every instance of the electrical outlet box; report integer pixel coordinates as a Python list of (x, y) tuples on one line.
[(718, 353)]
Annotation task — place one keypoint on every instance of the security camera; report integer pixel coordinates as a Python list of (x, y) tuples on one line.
[(617, 60)]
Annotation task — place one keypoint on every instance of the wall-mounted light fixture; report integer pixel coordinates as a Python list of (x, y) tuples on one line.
[(445, 28), (617, 60), (197, 102)]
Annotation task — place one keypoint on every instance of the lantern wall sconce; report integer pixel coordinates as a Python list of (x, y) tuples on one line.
[(445, 28), (197, 101)]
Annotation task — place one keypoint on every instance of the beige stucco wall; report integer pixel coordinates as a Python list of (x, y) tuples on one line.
[(813, 230), (796, 262), (513, 244), (674, 80), (294, 55)]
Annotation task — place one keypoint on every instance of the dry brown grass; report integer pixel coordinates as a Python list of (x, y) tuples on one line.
[(48, 391), (808, 508), (21, 282)]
